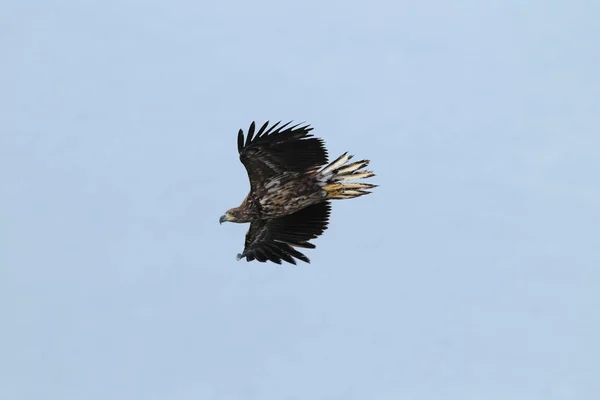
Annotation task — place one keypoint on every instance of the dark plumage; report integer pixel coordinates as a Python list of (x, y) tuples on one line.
[(288, 204)]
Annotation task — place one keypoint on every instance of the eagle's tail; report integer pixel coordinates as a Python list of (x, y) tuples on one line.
[(335, 178)]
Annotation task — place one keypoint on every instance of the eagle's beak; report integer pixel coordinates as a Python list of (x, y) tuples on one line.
[(224, 218)]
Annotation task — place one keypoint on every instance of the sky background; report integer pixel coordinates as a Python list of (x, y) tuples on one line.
[(472, 272)]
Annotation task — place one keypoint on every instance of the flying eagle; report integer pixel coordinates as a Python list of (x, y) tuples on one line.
[(290, 188)]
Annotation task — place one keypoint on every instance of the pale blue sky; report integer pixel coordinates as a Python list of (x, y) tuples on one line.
[(471, 273)]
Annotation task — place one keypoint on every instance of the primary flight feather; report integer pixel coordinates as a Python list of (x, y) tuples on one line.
[(291, 186)]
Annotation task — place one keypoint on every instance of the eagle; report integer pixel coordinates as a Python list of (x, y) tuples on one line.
[(291, 185)]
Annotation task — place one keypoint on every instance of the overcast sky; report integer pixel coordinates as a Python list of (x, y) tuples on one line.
[(472, 272)]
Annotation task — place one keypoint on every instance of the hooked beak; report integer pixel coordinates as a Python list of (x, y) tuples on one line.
[(224, 218)]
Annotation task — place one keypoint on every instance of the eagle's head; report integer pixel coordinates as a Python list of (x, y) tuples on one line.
[(232, 215)]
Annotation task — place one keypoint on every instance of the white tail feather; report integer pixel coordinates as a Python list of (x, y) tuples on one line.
[(341, 160), (358, 175), (353, 167), (335, 176)]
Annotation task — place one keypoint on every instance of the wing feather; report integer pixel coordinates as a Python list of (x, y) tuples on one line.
[(261, 131), (275, 239), (250, 133), (240, 140), (279, 148)]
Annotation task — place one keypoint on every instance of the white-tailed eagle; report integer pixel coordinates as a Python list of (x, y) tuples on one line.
[(291, 186)]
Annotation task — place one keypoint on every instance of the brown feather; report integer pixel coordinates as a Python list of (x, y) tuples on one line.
[(273, 239), (279, 149)]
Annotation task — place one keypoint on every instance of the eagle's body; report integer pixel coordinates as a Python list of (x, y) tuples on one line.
[(284, 194), (288, 203)]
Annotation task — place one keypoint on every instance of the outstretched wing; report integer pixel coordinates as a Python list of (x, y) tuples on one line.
[(273, 239), (278, 149)]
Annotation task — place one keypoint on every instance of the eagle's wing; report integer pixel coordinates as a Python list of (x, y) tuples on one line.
[(278, 149), (273, 239)]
